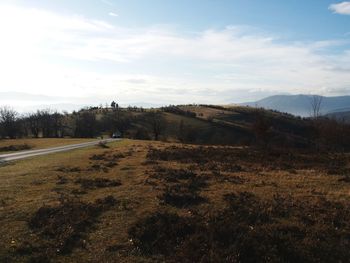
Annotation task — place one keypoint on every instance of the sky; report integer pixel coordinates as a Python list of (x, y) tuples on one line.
[(69, 53)]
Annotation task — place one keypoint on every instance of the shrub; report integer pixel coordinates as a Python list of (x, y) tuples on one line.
[(97, 183), (182, 186), (181, 196), (62, 227), (142, 134), (14, 148), (160, 233), (250, 230), (103, 145)]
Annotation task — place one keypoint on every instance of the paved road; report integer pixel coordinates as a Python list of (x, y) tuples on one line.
[(32, 153)]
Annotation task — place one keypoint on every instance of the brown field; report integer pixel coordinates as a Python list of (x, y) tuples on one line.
[(140, 201), (33, 144)]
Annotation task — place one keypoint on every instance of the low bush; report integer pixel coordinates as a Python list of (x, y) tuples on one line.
[(172, 175), (68, 169), (182, 186), (142, 134), (61, 228), (249, 159), (250, 230), (62, 180), (103, 145), (161, 233), (181, 196), (97, 183), (98, 157), (15, 148)]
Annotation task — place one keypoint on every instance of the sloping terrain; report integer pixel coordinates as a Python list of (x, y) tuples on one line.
[(235, 126), (147, 201), (198, 124), (242, 121)]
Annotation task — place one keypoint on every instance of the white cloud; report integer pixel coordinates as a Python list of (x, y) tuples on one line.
[(47, 53), (113, 14), (342, 8)]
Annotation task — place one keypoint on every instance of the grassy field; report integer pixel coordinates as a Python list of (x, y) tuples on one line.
[(139, 201), (8, 145)]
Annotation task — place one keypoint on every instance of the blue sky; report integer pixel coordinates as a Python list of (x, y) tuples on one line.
[(308, 20), (161, 51)]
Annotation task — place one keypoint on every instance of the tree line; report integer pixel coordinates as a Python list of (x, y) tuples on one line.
[(85, 123), (43, 123), (264, 128)]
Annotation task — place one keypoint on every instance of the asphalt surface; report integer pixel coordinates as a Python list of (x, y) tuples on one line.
[(33, 153)]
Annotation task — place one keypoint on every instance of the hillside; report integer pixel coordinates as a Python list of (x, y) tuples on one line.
[(195, 124), (193, 183), (238, 124), (300, 105), (208, 124), (147, 201)]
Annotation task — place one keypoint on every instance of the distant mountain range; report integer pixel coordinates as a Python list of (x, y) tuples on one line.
[(300, 105), (342, 116)]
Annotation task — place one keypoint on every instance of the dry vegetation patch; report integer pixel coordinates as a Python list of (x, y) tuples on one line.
[(61, 228), (64, 169), (176, 203), (91, 184), (239, 159), (181, 186), (15, 148), (249, 230)]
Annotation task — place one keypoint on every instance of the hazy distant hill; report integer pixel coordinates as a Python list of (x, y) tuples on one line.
[(300, 104), (344, 115)]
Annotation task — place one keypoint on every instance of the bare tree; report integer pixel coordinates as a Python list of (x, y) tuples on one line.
[(158, 123), (8, 122), (86, 124), (57, 124), (33, 121), (316, 105)]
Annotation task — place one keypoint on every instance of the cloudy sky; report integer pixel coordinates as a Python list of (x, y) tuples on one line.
[(77, 52)]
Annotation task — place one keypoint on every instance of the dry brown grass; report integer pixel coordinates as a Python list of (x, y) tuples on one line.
[(40, 143), (206, 112), (28, 185)]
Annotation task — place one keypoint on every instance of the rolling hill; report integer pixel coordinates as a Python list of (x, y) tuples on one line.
[(301, 104)]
